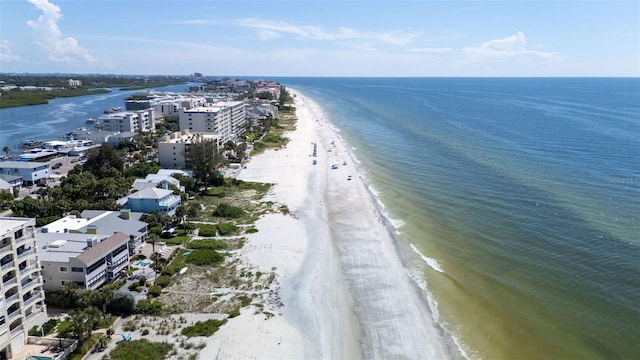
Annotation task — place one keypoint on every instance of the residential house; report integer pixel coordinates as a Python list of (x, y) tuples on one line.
[(30, 172), (22, 303), (152, 199), (90, 261), (155, 180)]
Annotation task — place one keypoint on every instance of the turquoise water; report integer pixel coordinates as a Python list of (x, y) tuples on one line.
[(523, 195)]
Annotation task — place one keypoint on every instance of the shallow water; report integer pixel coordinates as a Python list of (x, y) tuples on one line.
[(517, 200)]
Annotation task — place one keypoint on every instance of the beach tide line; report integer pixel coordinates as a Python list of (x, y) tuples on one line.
[(433, 264)]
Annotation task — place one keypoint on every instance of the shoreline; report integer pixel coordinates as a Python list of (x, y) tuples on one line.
[(345, 288)]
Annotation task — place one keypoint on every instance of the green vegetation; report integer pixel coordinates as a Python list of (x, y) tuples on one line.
[(142, 349), (227, 229), (208, 244), (215, 191), (149, 307), (17, 97), (226, 210), (203, 328), (204, 257)]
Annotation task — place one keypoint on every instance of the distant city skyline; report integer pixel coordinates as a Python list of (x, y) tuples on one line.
[(322, 38)]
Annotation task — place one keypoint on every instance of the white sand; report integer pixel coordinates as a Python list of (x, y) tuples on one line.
[(345, 291)]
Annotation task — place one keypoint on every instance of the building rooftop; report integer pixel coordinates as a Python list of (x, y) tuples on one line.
[(150, 193), (8, 224), (103, 247), (100, 221), (22, 164), (59, 247)]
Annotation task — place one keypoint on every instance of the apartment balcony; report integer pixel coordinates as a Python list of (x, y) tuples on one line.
[(30, 284), (37, 311), (13, 280), (14, 314), (7, 249), (30, 268), (34, 298), (17, 329), (29, 234), (26, 253), (11, 264), (11, 298)]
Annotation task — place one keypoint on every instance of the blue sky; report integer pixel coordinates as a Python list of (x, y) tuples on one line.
[(322, 38)]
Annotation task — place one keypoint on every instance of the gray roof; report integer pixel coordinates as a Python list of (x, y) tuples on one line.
[(115, 222), (150, 193), (21, 164), (72, 245), (10, 178), (103, 247)]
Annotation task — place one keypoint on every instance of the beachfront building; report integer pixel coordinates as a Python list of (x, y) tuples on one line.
[(102, 222), (30, 172), (152, 199), (90, 261), (123, 121), (155, 180), (22, 303), (172, 147), (226, 119)]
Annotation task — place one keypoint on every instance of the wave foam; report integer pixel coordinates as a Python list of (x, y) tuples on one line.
[(433, 264)]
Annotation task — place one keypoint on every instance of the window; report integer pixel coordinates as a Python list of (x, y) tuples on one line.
[(64, 269), (77, 269)]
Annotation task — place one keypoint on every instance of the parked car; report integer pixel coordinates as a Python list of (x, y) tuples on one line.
[(57, 165)]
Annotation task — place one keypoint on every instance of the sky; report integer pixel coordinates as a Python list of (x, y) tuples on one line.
[(321, 38)]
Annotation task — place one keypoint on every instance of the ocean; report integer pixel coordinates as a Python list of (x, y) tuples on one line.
[(515, 200)]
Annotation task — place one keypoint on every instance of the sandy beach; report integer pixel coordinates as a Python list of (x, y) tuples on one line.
[(345, 291), (342, 291)]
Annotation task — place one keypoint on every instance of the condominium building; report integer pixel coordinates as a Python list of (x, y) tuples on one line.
[(122, 121), (226, 119), (89, 260), (171, 148), (22, 303)]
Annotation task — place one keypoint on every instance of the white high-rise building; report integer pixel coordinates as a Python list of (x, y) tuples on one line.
[(172, 147), (226, 119), (125, 121), (22, 296)]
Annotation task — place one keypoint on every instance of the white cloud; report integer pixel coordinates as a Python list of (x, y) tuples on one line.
[(59, 49), (429, 50), (313, 32), (6, 54), (509, 48)]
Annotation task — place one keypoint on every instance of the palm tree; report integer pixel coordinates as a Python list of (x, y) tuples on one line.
[(78, 324), (6, 150), (69, 289)]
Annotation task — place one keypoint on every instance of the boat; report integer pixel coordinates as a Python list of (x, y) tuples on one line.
[(31, 144), (113, 109), (92, 121)]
